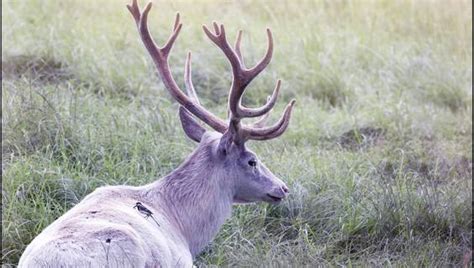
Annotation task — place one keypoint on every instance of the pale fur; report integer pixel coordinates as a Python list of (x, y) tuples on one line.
[(190, 205)]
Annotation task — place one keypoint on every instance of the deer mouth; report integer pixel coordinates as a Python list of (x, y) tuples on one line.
[(275, 198)]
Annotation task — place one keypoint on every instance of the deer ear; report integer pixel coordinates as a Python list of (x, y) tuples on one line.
[(192, 128)]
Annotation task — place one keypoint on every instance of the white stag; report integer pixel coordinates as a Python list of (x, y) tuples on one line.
[(168, 222)]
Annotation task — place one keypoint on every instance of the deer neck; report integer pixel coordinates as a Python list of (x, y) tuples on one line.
[(196, 199)]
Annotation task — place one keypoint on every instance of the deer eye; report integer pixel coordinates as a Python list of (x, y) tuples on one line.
[(252, 163)]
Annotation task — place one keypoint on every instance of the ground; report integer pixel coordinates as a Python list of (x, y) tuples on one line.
[(378, 155)]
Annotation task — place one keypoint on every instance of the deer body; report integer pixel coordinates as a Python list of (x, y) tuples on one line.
[(184, 210), (190, 205), (108, 239)]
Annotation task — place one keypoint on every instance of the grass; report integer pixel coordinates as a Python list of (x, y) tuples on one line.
[(378, 155)]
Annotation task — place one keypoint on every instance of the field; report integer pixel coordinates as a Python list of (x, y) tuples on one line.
[(378, 155)]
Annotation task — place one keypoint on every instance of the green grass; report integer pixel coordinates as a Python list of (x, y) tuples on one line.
[(377, 155)]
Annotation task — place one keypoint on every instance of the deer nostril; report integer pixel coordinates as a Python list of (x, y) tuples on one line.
[(285, 189)]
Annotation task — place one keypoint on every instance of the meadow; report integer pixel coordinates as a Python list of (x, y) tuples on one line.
[(378, 154)]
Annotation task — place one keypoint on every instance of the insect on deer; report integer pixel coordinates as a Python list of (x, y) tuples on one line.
[(168, 222)]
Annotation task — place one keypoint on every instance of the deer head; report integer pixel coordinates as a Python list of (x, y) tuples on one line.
[(248, 177)]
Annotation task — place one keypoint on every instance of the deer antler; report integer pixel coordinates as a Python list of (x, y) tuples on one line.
[(160, 58), (242, 76)]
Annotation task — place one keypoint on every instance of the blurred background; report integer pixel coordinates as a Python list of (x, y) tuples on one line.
[(378, 155)]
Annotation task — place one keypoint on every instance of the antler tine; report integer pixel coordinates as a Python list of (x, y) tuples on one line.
[(265, 60), (144, 32), (188, 80), (133, 8), (262, 120), (160, 58), (169, 44), (272, 131), (237, 47), (255, 112), (176, 22), (216, 28)]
